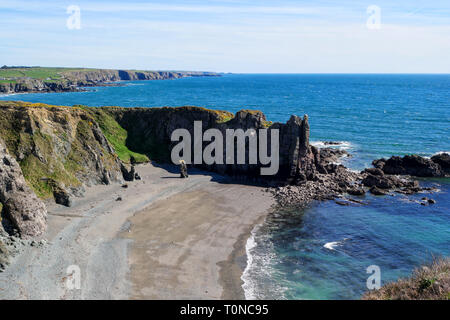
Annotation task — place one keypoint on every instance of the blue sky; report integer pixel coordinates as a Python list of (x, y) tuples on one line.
[(230, 36)]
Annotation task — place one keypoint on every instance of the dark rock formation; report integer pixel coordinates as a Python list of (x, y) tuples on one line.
[(21, 207), (183, 170), (356, 191), (377, 191), (415, 165), (149, 132), (442, 159), (128, 175), (61, 196), (332, 154)]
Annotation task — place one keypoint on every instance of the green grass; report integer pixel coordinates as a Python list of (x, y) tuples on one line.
[(430, 282), (116, 136), (40, 73)]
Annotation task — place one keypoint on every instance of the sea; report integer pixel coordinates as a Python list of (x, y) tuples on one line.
[(325, 250)]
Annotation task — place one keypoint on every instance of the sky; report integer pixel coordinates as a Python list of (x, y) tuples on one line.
[(284, 36)]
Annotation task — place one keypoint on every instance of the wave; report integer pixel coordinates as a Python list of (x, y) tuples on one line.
[(333, 144), (258, 276), (332, 245), (8, 94), (249, 286), (440, 152)]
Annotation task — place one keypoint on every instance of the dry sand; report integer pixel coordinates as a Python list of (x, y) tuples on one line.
[(168, 238)]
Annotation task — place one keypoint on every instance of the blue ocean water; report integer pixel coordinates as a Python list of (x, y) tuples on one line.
[(323, 252)]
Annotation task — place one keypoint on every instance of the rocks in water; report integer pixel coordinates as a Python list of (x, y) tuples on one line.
[(377, 181), (377, 191), (443, 159), (374, 171), (183, 169), (437, 166), (426, 201), (356, 191), (342, 203), (332, 154), (21, 207)]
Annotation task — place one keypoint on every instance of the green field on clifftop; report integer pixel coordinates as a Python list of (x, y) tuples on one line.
[(41, 73)]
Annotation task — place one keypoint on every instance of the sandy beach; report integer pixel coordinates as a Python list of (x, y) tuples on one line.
[(168, 238)]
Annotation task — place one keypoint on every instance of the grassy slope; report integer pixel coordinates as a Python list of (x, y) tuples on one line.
[(63, 169), (116, 135), (40, 73), (430, 282)]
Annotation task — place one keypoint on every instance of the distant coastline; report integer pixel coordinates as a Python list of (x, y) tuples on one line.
[(45, 79)]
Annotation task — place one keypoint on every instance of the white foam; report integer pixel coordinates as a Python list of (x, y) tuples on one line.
[(338, 144), (440, 152), (249, 286), (332, 245)]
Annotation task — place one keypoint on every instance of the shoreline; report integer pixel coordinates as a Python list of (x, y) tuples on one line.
[(199, 252)]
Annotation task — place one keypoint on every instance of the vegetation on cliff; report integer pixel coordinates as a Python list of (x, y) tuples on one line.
[(116, 135), (57, 145), (429, 282)]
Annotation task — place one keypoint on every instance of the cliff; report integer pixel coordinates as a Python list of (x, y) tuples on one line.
[(37, 79), (62, 149)]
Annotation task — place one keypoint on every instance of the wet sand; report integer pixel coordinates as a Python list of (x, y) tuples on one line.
[(168, 238)]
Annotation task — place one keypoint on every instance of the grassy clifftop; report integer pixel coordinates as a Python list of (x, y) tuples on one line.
[(430, 282)]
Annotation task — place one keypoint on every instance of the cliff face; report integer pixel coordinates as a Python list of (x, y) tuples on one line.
[(62, 149), (150, 132), (57, 147), (73, 79)]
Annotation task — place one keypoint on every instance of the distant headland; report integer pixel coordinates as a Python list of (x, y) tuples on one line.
[(22, 79)]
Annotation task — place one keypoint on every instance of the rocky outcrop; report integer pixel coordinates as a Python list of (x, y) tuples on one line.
[(437, 166), (21, 207)]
